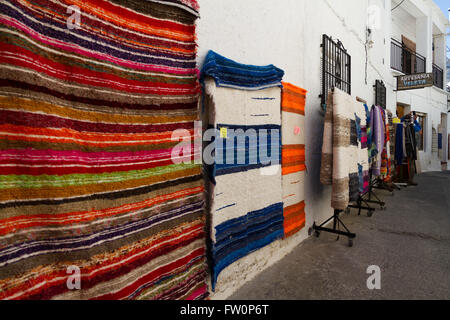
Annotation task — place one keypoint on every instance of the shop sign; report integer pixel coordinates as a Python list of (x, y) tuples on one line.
[(414, 81)]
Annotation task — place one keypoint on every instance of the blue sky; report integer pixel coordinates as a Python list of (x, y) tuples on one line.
[(444, 5)]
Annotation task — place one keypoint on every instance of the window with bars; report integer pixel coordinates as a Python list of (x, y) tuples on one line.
[(380, 94), (336, 67)]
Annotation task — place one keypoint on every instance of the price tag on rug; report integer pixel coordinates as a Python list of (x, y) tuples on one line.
[(223, 133)]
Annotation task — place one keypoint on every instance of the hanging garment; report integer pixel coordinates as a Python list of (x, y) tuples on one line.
[(385, 156), (293, 101), (86, 175), (410, 141), (400, 152), (246, 199), (377, 126), (365, 160), (342, 155), (392, 129)]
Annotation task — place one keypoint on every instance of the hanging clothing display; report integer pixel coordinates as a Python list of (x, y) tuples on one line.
[(391, 130), (385, 155), (378, 140), (366, 142), (411, 149), (246, 203), (405, 151), (410, 141), (400, 147), (363, 158), (342, 153), (86, 176), (293, 101)]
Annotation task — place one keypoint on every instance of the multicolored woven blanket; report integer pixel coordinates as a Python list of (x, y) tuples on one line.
[(92, 205)]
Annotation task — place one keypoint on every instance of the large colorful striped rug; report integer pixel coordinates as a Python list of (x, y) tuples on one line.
[(293, 101), (88, 186), (246, 196)]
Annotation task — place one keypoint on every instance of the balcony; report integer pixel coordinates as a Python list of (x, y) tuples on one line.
[(406, 61), (438, 77)]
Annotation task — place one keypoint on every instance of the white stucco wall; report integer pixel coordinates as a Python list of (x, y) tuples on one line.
[(403, 23), (288, 34)]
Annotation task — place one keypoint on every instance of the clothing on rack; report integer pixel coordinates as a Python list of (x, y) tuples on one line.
[(400, 148), (385, 155), (378, 131), (410, 141), (391, 149)]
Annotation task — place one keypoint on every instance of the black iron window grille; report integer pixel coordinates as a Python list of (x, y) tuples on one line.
[(380, 94), (336, 67)]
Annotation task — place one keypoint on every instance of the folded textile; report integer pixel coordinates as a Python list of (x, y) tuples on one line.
[(228, 73), (293, 101)]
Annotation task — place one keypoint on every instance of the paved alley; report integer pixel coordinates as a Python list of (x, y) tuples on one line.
[(410, 242)]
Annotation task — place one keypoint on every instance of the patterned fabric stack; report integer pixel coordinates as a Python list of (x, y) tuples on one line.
[(246, 199), (293, 157), (343, 159), (228, 74), (87, 178)]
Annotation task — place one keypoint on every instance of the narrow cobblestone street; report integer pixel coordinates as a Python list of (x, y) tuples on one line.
[(410, 242)]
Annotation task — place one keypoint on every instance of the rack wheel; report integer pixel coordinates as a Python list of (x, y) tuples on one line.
[(370, 213), (383, 208), (347, 211), (317, 234), (350, 242)]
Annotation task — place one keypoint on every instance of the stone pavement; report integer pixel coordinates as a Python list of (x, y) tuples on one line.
[(410, 242)]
